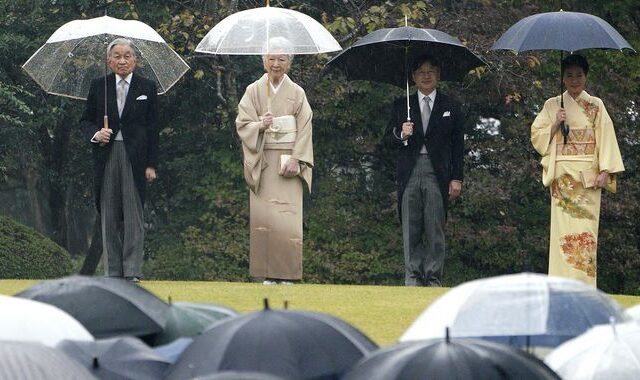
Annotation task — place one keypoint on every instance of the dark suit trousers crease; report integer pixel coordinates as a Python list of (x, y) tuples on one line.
[(122, 217), (423, 219)]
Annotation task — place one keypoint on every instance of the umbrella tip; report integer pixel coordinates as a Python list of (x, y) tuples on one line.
[(446, 335), (95, 363), (266, 303), (612, 321), (286, 304)]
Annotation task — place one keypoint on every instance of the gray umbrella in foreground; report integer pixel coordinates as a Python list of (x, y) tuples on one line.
[(117, 358), (563, 31), (105, 306), (19, 360), (450, 359), (186, 319), (291, 344)]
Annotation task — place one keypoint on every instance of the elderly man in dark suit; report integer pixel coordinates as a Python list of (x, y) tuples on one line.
[(125, 156), (429, 170)]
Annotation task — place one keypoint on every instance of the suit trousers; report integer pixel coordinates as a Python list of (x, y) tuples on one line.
[(423, 220), (122, 217)]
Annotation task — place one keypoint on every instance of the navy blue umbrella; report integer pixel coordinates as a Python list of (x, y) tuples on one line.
[(564, 31)]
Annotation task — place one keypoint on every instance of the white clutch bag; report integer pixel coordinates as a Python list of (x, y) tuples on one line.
[(283, 130), (283, 161)]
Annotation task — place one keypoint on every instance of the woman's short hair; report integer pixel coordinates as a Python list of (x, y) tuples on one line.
[(421, 60), (121, 41), (575, 60), (278, 45)]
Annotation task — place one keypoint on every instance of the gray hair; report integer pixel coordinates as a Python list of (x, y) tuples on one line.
[(276, 45), (121, 41)]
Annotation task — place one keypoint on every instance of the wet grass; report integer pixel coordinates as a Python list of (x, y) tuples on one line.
[(381, 312)]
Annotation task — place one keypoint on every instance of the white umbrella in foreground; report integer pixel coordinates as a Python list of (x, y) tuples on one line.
[(32, 321), (523, 310), (608, 352)]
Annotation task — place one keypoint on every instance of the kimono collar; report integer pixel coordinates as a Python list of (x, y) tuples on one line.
[(583, 95)]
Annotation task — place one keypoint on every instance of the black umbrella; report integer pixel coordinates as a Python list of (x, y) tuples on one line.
[(385, 54), (105, 306), (291, 344), (117, 358), (21, 360), (458, 359), (564, 31)]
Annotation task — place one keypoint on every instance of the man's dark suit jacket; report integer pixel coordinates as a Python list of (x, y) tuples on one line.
[(444, 141), (139, 125)]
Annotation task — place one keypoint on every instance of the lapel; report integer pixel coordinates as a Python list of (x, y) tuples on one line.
[(112, 102), (416, 116), (436, 114), (131, 96)]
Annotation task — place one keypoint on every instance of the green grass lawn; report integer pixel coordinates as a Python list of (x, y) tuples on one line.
[(381, 312)]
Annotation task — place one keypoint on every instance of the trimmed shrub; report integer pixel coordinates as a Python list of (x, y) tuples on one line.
[(25, 253)]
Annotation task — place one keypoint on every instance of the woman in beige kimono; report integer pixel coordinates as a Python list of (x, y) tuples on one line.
[(577, 171), (274, 124)]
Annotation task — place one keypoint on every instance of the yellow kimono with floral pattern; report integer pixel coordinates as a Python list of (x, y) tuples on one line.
[(569, 171)]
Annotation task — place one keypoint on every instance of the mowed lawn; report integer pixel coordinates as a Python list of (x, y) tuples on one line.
[(381, 312)]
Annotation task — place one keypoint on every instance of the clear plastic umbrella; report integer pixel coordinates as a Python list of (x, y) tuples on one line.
[(523, 310), (76, 53), (249, 32), (610, 352)]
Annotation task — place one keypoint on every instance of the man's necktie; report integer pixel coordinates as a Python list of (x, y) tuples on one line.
[(121, 94), (426, 114)]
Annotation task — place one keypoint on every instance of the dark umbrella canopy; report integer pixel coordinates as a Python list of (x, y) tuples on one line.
[(291, 344), (451, 360), (384, 54), (20, 360), (567, 31), (117, 358), (107, 307)]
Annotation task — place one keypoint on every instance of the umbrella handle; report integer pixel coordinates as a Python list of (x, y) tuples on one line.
[(105, 124)]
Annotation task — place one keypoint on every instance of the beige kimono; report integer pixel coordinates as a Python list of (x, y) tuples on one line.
[(570, 170), (275, 201)]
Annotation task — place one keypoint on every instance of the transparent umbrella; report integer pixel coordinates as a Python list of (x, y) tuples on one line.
[(610, 351), (76, 53), (249, 32), (523, 310)]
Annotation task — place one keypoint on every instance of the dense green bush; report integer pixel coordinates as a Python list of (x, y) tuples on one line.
[(25, 253)]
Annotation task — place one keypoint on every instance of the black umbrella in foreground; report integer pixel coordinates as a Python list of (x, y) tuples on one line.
[(459, 359), (105, 306), (117, 358), (21, 360), (563, 31), (291, 344)]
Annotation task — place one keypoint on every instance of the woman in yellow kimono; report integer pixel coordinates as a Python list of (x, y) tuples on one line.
[(274, 124), (577, 171)]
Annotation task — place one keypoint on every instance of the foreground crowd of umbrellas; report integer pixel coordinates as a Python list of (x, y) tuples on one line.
[(91, 327), (98, 327)]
